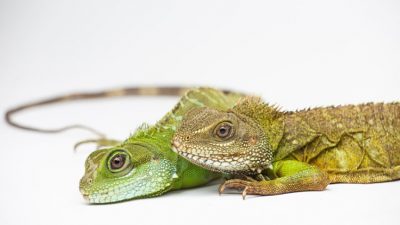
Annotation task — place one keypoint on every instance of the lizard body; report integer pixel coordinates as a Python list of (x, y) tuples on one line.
[(297, 151)]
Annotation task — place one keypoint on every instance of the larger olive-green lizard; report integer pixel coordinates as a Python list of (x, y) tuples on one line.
[(143, 165), (293, 151)]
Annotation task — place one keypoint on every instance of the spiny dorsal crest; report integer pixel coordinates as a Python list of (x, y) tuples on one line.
[(254, 107)]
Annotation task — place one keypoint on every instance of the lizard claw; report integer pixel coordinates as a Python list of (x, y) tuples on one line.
[(236, 184)]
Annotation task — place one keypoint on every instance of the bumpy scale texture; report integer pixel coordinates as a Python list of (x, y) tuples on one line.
[(298, 151), (148, 166)]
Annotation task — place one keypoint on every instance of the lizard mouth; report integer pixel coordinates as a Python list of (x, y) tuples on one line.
[(175, 146), (178, 148), (196, 159), (86, 197)]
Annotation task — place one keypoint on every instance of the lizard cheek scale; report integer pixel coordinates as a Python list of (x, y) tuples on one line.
[(139, 182)]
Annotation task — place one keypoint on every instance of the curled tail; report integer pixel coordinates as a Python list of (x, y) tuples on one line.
[(118, 92)]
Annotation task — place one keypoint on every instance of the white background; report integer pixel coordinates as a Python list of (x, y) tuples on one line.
[(296, 54)]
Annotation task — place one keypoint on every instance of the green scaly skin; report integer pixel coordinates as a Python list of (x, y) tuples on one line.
[(293, 151), (144, 165)]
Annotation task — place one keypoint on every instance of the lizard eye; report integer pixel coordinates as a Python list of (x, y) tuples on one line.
[(224, 130), (118, 161)]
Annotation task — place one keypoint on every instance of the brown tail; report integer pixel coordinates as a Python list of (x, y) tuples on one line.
[(130, 91)]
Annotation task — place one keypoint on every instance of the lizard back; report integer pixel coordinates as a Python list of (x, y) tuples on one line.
[(346, 141)]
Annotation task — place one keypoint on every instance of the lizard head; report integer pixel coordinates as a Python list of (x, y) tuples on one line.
[(225, 141), (125, 172), (142, 166)]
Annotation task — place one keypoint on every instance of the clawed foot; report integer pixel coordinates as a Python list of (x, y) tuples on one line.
[(247, 187), (100, 143)]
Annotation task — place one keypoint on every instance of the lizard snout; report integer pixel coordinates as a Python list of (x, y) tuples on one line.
[(176, 144)]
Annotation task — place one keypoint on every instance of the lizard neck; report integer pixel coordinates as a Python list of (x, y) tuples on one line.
[(297, 134)]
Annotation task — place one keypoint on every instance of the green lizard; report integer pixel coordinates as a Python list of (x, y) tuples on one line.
[(293, 151), (143, 165)]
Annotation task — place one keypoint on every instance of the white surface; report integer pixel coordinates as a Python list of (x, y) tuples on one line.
[(297, 54)]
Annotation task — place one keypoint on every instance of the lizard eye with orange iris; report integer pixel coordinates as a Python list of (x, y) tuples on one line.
[(224, 130)]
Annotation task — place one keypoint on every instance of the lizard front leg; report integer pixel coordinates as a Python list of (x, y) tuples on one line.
[(292, 176)]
